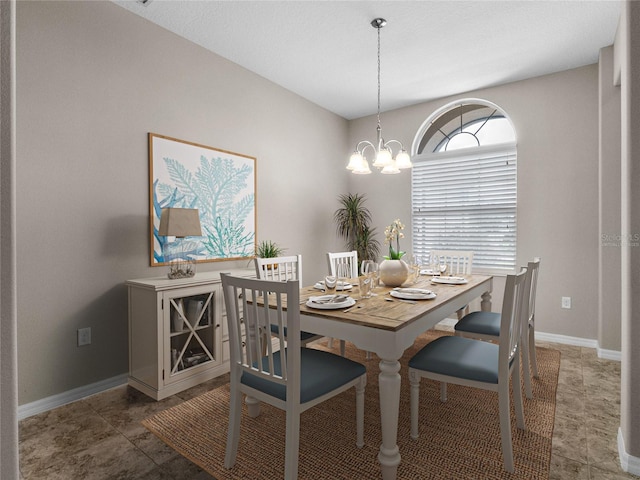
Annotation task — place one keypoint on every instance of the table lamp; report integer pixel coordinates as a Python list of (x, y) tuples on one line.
[(179, 223)]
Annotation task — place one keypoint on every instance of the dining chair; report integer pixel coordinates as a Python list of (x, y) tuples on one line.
[(289, 377), (282, 269), (348, 258), (486, 326), (279, 268), (351, 260), (478, 364), (459, 262)]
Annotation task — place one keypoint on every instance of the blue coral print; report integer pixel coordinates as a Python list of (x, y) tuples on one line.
[(220, 185)]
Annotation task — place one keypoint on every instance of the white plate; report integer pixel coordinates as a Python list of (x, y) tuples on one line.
[(428, 271), (344, 303), (450, 280), (412, 293), (339, 287)]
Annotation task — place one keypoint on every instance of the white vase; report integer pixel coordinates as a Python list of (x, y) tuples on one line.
[(393, 273)]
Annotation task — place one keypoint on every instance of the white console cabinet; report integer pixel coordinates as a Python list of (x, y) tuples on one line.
[(177, 332)]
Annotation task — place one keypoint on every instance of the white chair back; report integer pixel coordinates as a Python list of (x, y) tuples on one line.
[(458, 262), (279, 268), (533, 268), (514, 312), (348, 258), (245, 317)]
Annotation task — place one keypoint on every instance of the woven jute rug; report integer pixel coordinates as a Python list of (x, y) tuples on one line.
[(459, 439)]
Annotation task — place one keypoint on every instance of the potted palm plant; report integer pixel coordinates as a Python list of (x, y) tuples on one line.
[(353, 222)]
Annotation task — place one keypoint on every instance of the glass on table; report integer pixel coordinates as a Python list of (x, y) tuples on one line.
[(414, 274), (365, 284), (434, 265), (442, 265), (343, 273), (371, 269), (414, 263), (330, 283)]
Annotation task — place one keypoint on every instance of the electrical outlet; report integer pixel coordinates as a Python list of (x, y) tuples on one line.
[(566, 302), (84, 336)]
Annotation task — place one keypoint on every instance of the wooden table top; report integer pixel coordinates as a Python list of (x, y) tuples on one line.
[(389, 315)]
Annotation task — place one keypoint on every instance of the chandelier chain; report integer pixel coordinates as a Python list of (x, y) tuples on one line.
[(378, 75)]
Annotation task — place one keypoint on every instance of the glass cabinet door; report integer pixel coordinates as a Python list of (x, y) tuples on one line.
[(192, 332)]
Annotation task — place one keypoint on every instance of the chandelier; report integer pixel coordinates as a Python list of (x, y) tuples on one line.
[(382, 153)]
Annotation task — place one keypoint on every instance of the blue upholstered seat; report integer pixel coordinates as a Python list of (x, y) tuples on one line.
[(484, 323), (304, 336), (320, 373), (459, 357)]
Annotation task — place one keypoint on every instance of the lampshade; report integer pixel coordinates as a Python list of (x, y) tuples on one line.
[(383, 158), (390, 169), (180, 222), (355, 161), (403, 160), (362, 168)]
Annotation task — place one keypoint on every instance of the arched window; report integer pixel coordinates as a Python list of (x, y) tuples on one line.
[(464, 185)]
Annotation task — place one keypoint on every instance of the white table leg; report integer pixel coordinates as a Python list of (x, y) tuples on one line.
[(485, 305), (389, 386)]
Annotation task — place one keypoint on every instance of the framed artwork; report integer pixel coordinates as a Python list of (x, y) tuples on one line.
[(220, 184)]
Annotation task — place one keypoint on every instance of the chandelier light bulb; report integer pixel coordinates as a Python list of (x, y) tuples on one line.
[(383, 158), (390, 169), (403, 160), (363, 168), (355, 161)]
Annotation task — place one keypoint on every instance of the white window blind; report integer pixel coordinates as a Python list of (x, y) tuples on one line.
[(467, 201)]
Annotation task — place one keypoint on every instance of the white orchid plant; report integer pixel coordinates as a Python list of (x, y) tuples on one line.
[(393, 234)]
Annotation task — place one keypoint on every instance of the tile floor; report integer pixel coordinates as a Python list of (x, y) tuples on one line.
[(101, 437)]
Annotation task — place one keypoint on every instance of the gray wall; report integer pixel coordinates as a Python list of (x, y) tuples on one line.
[(556, 122), (93, 79)]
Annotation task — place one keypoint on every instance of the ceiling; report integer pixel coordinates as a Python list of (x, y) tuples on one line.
[(325, 51)]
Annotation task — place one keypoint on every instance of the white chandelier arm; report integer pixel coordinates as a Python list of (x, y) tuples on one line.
[(387, 143), (402, 159), (366, 144)]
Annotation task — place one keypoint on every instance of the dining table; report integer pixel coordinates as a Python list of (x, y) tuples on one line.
[(387, 326)]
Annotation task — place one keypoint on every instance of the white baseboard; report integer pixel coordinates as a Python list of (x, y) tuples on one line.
[(566, 340), (610, 354), (629, 463), (54, 401), (580, 342)]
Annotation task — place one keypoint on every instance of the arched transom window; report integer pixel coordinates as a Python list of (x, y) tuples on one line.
[(464, 185)]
